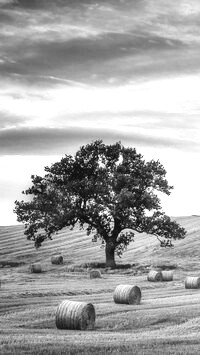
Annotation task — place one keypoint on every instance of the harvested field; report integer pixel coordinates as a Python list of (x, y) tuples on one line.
[(166, 321)]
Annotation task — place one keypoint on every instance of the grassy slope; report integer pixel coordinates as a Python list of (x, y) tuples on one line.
[(167, 321), (77, 248)]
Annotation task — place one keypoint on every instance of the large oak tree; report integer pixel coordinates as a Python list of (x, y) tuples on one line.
[(107, 189)]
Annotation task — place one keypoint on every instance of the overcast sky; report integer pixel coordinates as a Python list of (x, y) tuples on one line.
[(73, 71)]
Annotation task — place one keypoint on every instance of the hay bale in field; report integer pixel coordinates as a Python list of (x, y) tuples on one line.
[(192, 282), (127, 294), (57, 259), (36, 268), (75, 315), (167, 275), (95, 274), (154, 276)]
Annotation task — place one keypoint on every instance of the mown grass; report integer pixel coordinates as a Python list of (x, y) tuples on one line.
[(167, 319), (40, 344), (166, 322)]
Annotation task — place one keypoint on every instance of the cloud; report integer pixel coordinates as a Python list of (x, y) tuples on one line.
[(34, 4), (95, 59), (27, 4), (31, 4), (5, 18), (159, 120), (85, 41), (47, 141), (117, 70), (8, 120)]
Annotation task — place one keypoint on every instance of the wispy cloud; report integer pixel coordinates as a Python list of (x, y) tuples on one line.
[(7, 120), (83, 41), (47, 141)]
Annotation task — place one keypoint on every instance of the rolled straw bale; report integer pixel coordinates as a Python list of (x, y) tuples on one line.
[(127, 294), (192, 282), (154, 276), (167, 275), (36, 268), (75, 315), (57, 259), (95, 274)]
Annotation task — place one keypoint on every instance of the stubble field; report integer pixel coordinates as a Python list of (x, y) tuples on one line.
[(166, 322)]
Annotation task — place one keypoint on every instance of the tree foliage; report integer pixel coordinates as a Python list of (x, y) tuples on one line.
[(107, 189)]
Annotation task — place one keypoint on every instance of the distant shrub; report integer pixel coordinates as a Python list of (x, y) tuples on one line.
[(166, 266), (11, 263), (100, 265), (75, 268), (93, 265)]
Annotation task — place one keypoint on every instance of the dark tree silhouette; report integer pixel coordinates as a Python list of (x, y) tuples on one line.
[(107, 189)]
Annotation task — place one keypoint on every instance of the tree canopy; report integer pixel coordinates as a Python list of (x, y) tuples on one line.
[(109, 190)]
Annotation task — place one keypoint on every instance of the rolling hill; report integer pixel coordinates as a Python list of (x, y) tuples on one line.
[(77, 248), (167, 321)]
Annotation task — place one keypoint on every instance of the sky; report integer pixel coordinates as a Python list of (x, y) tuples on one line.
[(72, 71)]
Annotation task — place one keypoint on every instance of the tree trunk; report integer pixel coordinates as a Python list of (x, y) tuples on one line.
[(110, 254)]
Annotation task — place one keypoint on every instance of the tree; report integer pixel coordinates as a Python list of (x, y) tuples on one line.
[(107, 189)]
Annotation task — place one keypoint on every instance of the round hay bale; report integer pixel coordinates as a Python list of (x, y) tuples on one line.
[(95, 274), (167, 275), (36, 268), (127, 294), (57, 259), (192, 282), (154, 276), (75, 315)]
